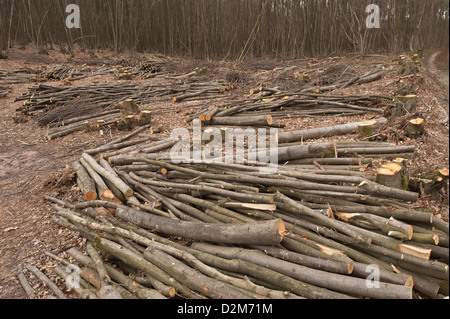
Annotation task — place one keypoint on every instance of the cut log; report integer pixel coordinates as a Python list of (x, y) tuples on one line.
[(414, 251), (128, 122), (25, 284), (137, 261), (376, 222), (269, 207), (140, 291), (266, 232), (305, 151), (124, 188), (297, 136), (409, 68), (438, 175), (257, 120), (103, 191), (86, 183), (392, 175), (402, 105), (192, 278), (46, 281), (337, 282)]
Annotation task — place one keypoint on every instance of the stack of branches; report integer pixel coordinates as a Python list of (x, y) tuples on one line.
[(144, 70), (67, 109), (42, 97), (4, 91), (323, 77), (367, 77), (79, 107), (280, 105), (228, 230), (79, 115), (70, 73), (18, 76)]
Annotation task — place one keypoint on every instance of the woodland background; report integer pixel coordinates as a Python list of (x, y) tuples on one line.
[(228, 29)]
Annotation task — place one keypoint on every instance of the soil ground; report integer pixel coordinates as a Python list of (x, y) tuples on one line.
[(30, 164)]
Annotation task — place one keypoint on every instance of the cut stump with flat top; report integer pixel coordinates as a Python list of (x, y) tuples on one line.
[(392, 175)]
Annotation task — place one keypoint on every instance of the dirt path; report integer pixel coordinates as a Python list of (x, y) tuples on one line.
[(441, 76), (27, 162), (442, 80)]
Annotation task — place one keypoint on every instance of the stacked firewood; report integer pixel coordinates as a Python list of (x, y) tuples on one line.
[(320, 226), (17, 76), (42, 97), (126, 116), (281, 105), (144, 70), (95, 106), (71, 73)]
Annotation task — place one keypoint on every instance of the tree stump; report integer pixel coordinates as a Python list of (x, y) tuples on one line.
[(439, 178), (409, 68), (145, 118), (367, 129), (416, 60), (403, 105), (128, 122), (131, 117), (415, 128), (129, 107), (392, 175)]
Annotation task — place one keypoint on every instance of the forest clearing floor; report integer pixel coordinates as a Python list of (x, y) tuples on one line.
[(31, 166)]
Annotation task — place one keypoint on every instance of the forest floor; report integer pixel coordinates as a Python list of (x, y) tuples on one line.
[(30, 164)]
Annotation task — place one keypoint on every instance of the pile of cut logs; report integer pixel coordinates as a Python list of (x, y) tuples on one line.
[(17, 76), (319, 227), (127, 116), (71, 73), (57, 106), (279, 105), (144, 70)]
